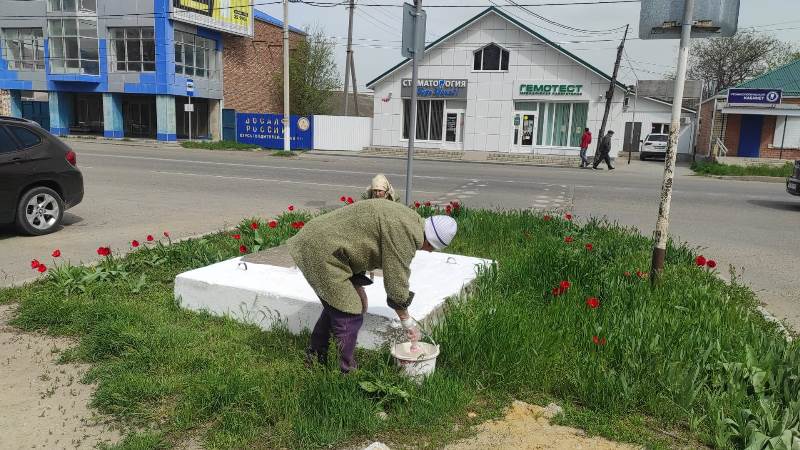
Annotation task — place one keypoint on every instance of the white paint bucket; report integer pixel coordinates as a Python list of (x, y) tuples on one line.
[(416, 364)]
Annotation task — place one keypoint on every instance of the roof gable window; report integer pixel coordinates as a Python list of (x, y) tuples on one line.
[(491, 57)]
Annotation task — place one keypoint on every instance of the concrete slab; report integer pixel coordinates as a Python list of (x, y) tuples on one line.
[(268, 294)]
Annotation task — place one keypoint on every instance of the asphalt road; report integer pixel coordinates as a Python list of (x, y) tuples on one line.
[(132, 191)]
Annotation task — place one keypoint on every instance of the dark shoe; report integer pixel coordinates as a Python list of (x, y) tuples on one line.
[(610, 168)]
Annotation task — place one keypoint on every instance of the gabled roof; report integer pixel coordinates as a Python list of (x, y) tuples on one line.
[(261, 16), (495, 10), (786, 77)]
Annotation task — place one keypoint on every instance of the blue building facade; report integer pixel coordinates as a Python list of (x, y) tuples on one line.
[(115, 68)]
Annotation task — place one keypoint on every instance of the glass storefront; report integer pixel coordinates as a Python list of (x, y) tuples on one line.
[(559, 124)]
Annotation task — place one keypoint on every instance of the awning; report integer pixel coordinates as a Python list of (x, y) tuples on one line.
[(762, 111)]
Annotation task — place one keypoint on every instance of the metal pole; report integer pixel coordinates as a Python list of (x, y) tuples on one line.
[(286, 117), (610, 96), (190, 120), (412, 123), (662, 224), (783, 139), (713, 126), (633, 124), (696, 134), (349, 62), (355, 87)]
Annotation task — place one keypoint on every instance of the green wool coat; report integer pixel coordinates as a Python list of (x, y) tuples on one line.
[(363, 236)]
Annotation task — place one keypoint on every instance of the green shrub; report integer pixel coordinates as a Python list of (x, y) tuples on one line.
[(219, 145), (763, 170)]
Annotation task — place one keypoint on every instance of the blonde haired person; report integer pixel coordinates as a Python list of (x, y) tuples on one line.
[(381, 188)]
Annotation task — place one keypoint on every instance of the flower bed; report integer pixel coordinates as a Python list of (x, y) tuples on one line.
[(568, 314)]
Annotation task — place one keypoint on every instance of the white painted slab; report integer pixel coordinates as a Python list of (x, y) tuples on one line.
[(265, 294)]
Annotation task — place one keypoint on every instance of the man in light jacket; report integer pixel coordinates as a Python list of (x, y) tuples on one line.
[(334, 251)]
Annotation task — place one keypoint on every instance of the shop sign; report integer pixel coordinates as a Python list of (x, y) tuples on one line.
[(755, 96), (435, 88), (266, 130), (550, 89)]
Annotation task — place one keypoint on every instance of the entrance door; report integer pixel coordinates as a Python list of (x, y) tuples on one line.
[(633, 134), (524, 133), (750, 136), (454, 129)]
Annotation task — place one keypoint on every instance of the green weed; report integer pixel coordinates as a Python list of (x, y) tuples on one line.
[(763, 170), (219, 145)]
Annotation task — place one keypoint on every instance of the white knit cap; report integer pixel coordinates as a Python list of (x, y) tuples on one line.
[(440, 231)]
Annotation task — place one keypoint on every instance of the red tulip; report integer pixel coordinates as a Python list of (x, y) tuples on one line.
[(700, 260), (56, 253), (568, 216), (166, 234), (290, 208), (150, 238), (556, 292), (242, 249), (343, 199), (35, 263), (416, 204), (598, 340), (349, 200), (546, 218), (448, 209), (589, 247), (273, 223), (103, 251), (42, 268), (134, 243), (642, 274), (237, 236), (592, 302), (627, 274), (565, 284), (568, 239), (428, 204), (711, 263)]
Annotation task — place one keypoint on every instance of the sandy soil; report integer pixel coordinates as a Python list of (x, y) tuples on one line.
[(44, 404), (527, 427)]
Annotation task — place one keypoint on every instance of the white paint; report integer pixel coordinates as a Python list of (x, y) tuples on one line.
[(264, 295), (490, 102), (342, 133), (791, 138)]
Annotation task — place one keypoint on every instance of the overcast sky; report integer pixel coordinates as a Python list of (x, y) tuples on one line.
[(377, 32)]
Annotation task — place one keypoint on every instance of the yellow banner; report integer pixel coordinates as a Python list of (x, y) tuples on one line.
[(226, 12)]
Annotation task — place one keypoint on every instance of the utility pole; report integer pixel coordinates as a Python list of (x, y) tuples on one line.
[(633, 124), (412, 125), (662, 225), (610, 93), (286, 117), (348, 64), (355, 86)]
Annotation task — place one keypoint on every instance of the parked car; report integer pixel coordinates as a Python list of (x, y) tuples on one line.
[(793, 181), (39, 177), (654, 145)]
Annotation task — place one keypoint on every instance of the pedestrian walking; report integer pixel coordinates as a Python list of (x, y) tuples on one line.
[(335, 250), (603, 151), (586, 139)]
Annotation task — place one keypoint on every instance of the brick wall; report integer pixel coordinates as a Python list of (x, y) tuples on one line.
[(251, 67), (732, 128), (767, 133)]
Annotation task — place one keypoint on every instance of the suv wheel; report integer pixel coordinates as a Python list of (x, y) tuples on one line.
[(39, 211)]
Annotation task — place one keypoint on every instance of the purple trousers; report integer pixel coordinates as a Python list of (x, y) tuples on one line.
[(344, 327)]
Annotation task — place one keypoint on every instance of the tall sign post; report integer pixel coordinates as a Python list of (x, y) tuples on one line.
[(413, 46), (188, 107), (661, 19), (287, 140)]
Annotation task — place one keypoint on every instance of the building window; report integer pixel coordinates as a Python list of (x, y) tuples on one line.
[(195, 55), (660, 128), (23, 48), (491, 57), (561, 124), (133, 49), (73, 45), (89, 6), (429, 119)]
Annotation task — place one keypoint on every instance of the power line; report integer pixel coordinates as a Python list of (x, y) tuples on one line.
[(566, 27)]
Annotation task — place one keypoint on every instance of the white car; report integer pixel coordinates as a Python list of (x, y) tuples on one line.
[(654, 145)]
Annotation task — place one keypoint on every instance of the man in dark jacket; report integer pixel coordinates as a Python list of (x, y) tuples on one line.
[(603, 151), (586, 139)]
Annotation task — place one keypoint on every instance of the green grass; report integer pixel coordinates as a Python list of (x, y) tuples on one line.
[(762, 170), (218, 145), (285, 154), (690, 358)]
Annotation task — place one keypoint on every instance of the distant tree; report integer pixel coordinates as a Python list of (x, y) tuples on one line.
[(721, 63), (312, 75)]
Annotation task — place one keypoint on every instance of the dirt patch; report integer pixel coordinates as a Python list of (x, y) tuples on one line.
[(528, 427), (44, 404)]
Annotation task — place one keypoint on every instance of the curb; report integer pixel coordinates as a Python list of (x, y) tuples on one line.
[(423, 158), (762, 179)]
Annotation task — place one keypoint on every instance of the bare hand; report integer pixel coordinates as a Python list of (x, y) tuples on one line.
[(363, 295), (413, 334)]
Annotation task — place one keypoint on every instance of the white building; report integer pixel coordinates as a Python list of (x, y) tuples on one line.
[(493, 84)]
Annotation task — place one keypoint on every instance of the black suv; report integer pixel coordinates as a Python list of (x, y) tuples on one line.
[(39, 177), (793, 181)]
